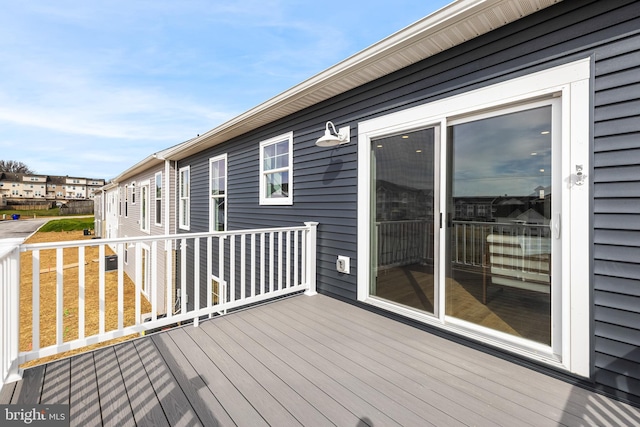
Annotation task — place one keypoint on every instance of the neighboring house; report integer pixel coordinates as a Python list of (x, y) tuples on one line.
[(49, 187), (515, 124), (137, 204)]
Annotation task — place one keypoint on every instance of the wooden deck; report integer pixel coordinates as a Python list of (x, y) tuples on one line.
[(311, 361)]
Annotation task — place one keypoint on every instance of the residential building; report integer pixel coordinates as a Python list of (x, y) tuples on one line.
[(138, 204), (47, 187), (484, 184)]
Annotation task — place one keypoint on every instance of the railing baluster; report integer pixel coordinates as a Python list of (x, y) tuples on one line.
[(81, 290), (209, 273), (59, 296), (101, 303), (183, 276), (120, 249), (280, 261), (243, 269), (253, 264), (262, 263), (303, 271), (196, 277), (232, 267), (271, 251), (35, 300), (154, 280), (138, 282), (221, 240), (168, 280), (296, 236), (288, 283)]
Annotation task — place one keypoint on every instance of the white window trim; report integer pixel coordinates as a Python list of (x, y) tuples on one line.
[(224, 196), (262, 185), (156, 198), (145, 220), (126, 201), (571, 81), (132, 186), (184, 220)]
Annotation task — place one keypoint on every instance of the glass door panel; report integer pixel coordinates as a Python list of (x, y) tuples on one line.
[(403, 218), (498, 229)]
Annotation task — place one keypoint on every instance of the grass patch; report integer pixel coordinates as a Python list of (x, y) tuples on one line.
[(71, 224), (31, 213)]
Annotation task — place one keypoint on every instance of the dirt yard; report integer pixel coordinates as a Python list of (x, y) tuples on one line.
[(70, 299)]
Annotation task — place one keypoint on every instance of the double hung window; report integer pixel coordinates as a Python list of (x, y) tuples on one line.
[(218, 193), (158, 199), (276, 170), (184, 185), (145, 217)]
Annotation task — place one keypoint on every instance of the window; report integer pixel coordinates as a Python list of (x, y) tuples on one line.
[(145, 218), (158, 198), (276, 170), (496, 234), (133, 193), (185, 194), (218, 193), (126, 201)]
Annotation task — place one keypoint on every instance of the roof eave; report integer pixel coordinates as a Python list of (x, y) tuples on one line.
[(444, 29)]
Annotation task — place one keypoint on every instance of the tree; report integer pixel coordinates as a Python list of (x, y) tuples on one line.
[(14, 167)]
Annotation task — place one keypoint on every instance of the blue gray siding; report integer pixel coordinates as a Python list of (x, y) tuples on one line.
[(325, 180)]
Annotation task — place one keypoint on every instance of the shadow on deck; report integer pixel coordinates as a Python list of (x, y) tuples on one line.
[(312, 361)]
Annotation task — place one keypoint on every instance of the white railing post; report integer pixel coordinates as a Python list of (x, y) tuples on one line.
[(10, 306), (312, 237)]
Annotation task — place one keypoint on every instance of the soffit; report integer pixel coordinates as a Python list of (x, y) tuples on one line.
[(448, 27)]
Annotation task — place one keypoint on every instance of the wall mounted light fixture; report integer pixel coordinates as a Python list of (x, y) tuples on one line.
[(336, 138)]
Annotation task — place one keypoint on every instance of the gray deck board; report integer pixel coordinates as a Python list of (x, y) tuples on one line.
[(175, 405), (192, 384), (269, 408), (307, 361), (297, 372), (452, 372), (305, 413), (384, 396), (327, 377), (30, 388), (85, 400), (6, 393), (144, 402), (230, 398), (114, 402), (56, 388), (531, 390)]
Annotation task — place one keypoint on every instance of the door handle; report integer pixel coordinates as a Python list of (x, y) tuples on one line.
[(556, 226)]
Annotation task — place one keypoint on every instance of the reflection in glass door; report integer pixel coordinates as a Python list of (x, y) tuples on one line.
[(498, 232), (403, 214)]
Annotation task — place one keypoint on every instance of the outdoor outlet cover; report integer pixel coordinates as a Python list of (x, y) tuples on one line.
[(343, 264)]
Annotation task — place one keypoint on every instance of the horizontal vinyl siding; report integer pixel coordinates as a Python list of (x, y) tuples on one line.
[(616, 183), (325, 179)]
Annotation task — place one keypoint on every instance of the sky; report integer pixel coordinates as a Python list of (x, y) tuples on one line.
[(90, 88)]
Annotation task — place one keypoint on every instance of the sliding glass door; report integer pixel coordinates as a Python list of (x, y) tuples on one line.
[(498, 236), (473, 214), (498, 192), (403, 219)]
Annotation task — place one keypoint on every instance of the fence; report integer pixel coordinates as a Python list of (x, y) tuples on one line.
[(202, 275)]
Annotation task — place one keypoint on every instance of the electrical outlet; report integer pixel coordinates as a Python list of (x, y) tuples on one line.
[(343, 264)]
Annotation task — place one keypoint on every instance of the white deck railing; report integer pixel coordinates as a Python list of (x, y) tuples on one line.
[(178, 278), (9, 309)]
